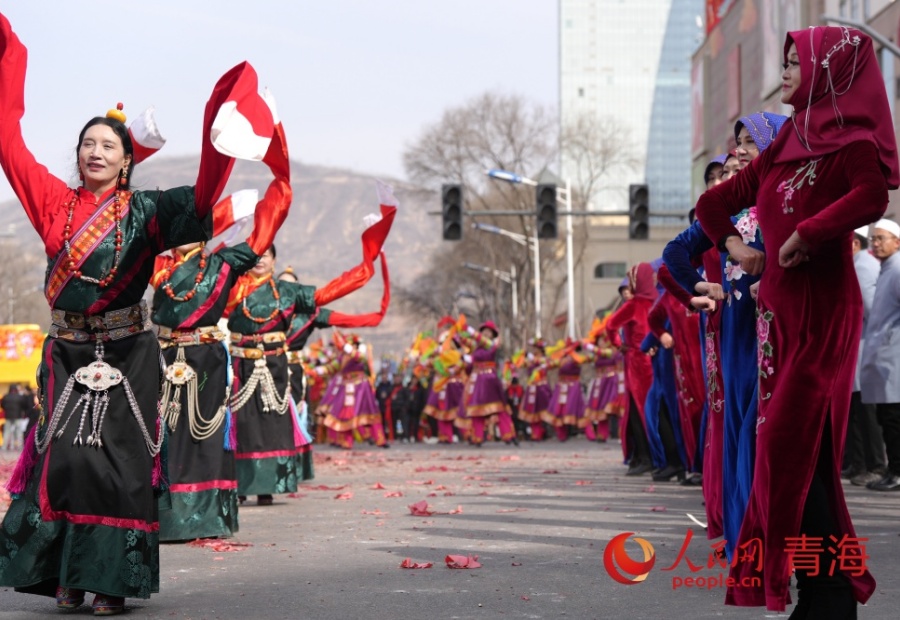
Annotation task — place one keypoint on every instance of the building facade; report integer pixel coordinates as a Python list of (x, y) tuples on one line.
[(629, 63)]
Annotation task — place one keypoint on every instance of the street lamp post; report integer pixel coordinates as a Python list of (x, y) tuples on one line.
[(525, 241), (505, 276), (565, 196)]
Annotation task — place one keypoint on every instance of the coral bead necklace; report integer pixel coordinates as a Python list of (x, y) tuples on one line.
[(67, 236), (274, 312), (172, 267)]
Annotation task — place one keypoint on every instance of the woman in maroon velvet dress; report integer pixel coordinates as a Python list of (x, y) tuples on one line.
[(827, 173), (632, 319)]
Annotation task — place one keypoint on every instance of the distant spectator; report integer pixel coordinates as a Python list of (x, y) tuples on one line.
[(880, 375), (864, 452), (514, 393), (17, 407)]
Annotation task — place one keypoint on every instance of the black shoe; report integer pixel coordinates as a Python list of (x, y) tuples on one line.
[(668, 473), (385, 445), (264, 500), (889, 483), (694, 480), (639, 469), (850, 471)]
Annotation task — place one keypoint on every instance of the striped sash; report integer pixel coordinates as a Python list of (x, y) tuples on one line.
[(82, 245)]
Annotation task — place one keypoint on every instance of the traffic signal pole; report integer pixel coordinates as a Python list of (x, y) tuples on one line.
[(570, 262)]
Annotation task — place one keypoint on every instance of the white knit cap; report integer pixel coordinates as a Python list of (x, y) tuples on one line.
[(889, 225), (862, 231)]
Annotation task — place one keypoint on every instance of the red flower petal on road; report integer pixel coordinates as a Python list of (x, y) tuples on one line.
[(377, 486), (420, 482), (408, 563), (526, 598), (218, 545), (456, 511), (420, 509), (583, 483), (650, 489), (550, 471), (347, 495), (510, 457), (462, 561), (658, 509), (373, 512), (394, 494)]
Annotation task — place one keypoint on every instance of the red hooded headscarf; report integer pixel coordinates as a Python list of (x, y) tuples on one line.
[(642, 281), (840, 100)]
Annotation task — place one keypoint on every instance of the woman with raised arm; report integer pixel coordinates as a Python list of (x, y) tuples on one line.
[(192, 288), (84, 517), (261, 310), (826, 174)]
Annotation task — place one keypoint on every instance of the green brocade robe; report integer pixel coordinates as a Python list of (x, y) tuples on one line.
[(88, 517), (267, 452)]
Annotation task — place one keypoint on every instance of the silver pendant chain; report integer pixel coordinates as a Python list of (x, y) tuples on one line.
[(98, 377)]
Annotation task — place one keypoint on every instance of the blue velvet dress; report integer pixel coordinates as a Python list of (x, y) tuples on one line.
[(739, 370)]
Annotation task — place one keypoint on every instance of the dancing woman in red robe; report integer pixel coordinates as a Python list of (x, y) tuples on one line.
[(827, 173)]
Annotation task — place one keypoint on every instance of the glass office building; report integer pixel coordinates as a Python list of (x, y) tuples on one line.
[(629, 62)]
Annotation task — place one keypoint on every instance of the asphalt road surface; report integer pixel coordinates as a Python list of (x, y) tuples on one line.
[(538, 518)]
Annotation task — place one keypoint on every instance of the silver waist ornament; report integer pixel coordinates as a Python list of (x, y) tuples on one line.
[(98, 377), (180, 374), (262, 378)]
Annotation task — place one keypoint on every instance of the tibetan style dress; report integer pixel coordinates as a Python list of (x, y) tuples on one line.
[(484, 396), (808, 338), (192, 292), (84, 513), (197, 385), (266, 451), (536, 398), (302, 327)]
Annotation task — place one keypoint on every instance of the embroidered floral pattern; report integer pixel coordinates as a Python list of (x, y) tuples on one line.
[(806, 173), (712, 378), (748, 225), (764, 351)]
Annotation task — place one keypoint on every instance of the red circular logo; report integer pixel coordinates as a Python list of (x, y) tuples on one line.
[(617, 561)]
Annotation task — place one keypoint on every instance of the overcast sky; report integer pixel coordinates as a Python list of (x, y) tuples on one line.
[(355, 80)]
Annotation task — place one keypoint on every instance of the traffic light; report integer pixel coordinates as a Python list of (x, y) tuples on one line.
[(546, 211), (452, 211), (638, 212)]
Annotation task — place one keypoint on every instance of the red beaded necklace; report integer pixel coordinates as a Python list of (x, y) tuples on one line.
[(173, 266), (274, 313), (67, 235)]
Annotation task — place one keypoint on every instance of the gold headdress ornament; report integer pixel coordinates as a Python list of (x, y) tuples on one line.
[(117, 113)]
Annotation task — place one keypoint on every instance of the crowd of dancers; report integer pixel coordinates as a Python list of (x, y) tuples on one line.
[(730, 361)]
